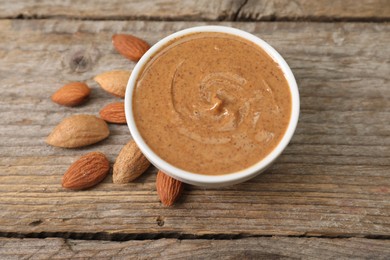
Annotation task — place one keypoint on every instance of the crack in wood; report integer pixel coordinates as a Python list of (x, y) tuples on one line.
[(36, 222), (235, 15)]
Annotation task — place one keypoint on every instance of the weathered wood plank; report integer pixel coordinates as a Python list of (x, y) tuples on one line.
[(227, 10), (314, 10), (121, 9), (248, 248), (331, 181)]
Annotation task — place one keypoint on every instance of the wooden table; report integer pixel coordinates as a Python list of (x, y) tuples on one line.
[(327, 196)]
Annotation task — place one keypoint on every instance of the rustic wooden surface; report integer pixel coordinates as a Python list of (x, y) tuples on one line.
[(189, 10), (332, 181), (249, 248)]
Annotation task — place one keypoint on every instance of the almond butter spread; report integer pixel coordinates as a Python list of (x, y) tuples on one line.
[(211, 103)]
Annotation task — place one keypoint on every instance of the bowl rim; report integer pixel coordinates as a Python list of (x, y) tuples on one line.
[(224, 179)]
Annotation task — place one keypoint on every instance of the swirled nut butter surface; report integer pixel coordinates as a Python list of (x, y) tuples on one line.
[(211, 103)]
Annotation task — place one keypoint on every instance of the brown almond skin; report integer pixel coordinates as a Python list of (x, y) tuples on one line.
[(168, 188), (129, 164), (130, 46), (72, 94), (114, 113), (114, 81), (77, 131), (89, 170)]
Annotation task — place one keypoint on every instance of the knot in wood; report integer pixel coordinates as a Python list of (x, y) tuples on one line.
[(81, 60)]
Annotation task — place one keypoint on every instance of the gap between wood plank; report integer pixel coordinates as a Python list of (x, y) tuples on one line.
[(121, 237), (313, 19)]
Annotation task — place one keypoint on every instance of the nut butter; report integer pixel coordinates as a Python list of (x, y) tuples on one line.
[(211, 103)]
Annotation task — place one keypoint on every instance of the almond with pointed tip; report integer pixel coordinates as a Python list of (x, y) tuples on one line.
[(168, 188), (89, 170), (71, 94), (114, 113), (77, 131), (129, 164), (130, 46), (114, 81)]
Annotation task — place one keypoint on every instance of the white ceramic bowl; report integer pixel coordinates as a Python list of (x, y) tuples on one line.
[(218, 180)]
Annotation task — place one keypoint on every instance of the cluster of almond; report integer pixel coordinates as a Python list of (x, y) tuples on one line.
[(81, 130)]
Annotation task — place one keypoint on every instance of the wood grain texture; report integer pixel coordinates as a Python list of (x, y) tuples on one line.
[(332, 180), (124, 9), (227, 10), (249, 248), (322, 10)]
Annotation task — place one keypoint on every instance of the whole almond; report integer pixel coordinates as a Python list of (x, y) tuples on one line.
[(77, 131), (71, 94), (114, 113), (129, 164), (86, 172), (114, 82), (130, 46), (168, 189)]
